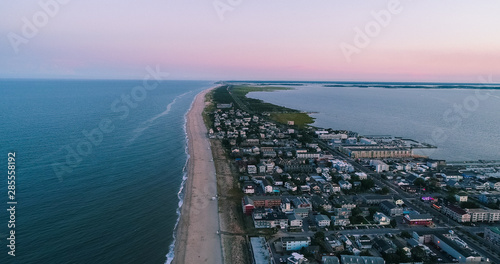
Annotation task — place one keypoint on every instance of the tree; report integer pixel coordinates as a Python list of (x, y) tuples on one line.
[(356, 211), (418, 253), (319, 235), (385, 190), (367, 184), (394, 224), (405, 234), (372, 211), (419, 182)]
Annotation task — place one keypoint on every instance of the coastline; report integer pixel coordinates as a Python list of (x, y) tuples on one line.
[(196, 235)]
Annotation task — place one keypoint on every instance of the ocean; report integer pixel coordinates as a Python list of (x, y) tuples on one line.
[(99, 166), (460, 119)]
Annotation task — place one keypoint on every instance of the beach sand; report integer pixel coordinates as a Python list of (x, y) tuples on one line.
[(197, 240)]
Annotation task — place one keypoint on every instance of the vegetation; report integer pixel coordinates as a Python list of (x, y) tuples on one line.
[(237, 95)]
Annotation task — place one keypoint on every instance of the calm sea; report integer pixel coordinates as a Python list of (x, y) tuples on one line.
[(97, 173), (463, 123)]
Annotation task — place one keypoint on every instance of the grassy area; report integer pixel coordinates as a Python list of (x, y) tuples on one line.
[(237, 94), (301, 119)]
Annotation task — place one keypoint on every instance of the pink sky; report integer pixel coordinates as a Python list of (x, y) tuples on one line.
[(435, 41)]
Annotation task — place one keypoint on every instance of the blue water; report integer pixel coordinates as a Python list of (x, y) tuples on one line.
[(428, 115), (114, 201)]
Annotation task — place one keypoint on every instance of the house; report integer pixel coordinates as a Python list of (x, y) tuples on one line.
[(321, 202), (456, 213), (336, 244), (335, 187), (291, 186), (295, 243), (376, 199), (391, 208), (322, 220), (294, 220), (302, 202), (495, 185), (345, 177), (252, 169), (381, 219), (247, 205), (266, 218), (364, 242), (268, 188), (296, 258), (384, 246), (340, 220), (379, 166), (461, 197), (361, 175), (249, 187), (345, 185)]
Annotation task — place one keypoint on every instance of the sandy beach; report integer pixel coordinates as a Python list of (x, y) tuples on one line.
[(197, 240)]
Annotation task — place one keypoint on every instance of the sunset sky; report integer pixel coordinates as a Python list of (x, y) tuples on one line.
[(426, 40)]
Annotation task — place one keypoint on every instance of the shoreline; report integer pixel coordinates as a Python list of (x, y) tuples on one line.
[(196, 237)]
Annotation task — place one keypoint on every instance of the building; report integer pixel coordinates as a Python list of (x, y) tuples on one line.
[(302, 202), (461, 197), (252, 169), (483, 215), (330, 260), (349, 259), (295, 243), (391, 208), (296, 258), (269, 219), (361, 175), (456, 213), (322, 220), (264, 201), (294, 220), (381, 219), (376, 152), (379, 166), (455, 247), (418, 219), (261, 252), (364, 242), (345, 185), (247, 205), (384, 246), (376, 199)]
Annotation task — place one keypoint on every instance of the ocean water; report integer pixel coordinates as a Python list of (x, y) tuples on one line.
[(97, 178), (463, 123)]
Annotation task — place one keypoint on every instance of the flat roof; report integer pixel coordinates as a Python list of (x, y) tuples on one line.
[(418, 217), (260, 251)]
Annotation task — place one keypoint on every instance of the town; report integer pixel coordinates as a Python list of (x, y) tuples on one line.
[(315, 195)]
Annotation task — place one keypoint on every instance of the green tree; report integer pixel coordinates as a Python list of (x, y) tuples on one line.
[(420, 182), (418, 253), (405, 234)]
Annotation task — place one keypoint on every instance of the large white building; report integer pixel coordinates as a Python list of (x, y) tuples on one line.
[(484, 215), (295, 243)]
